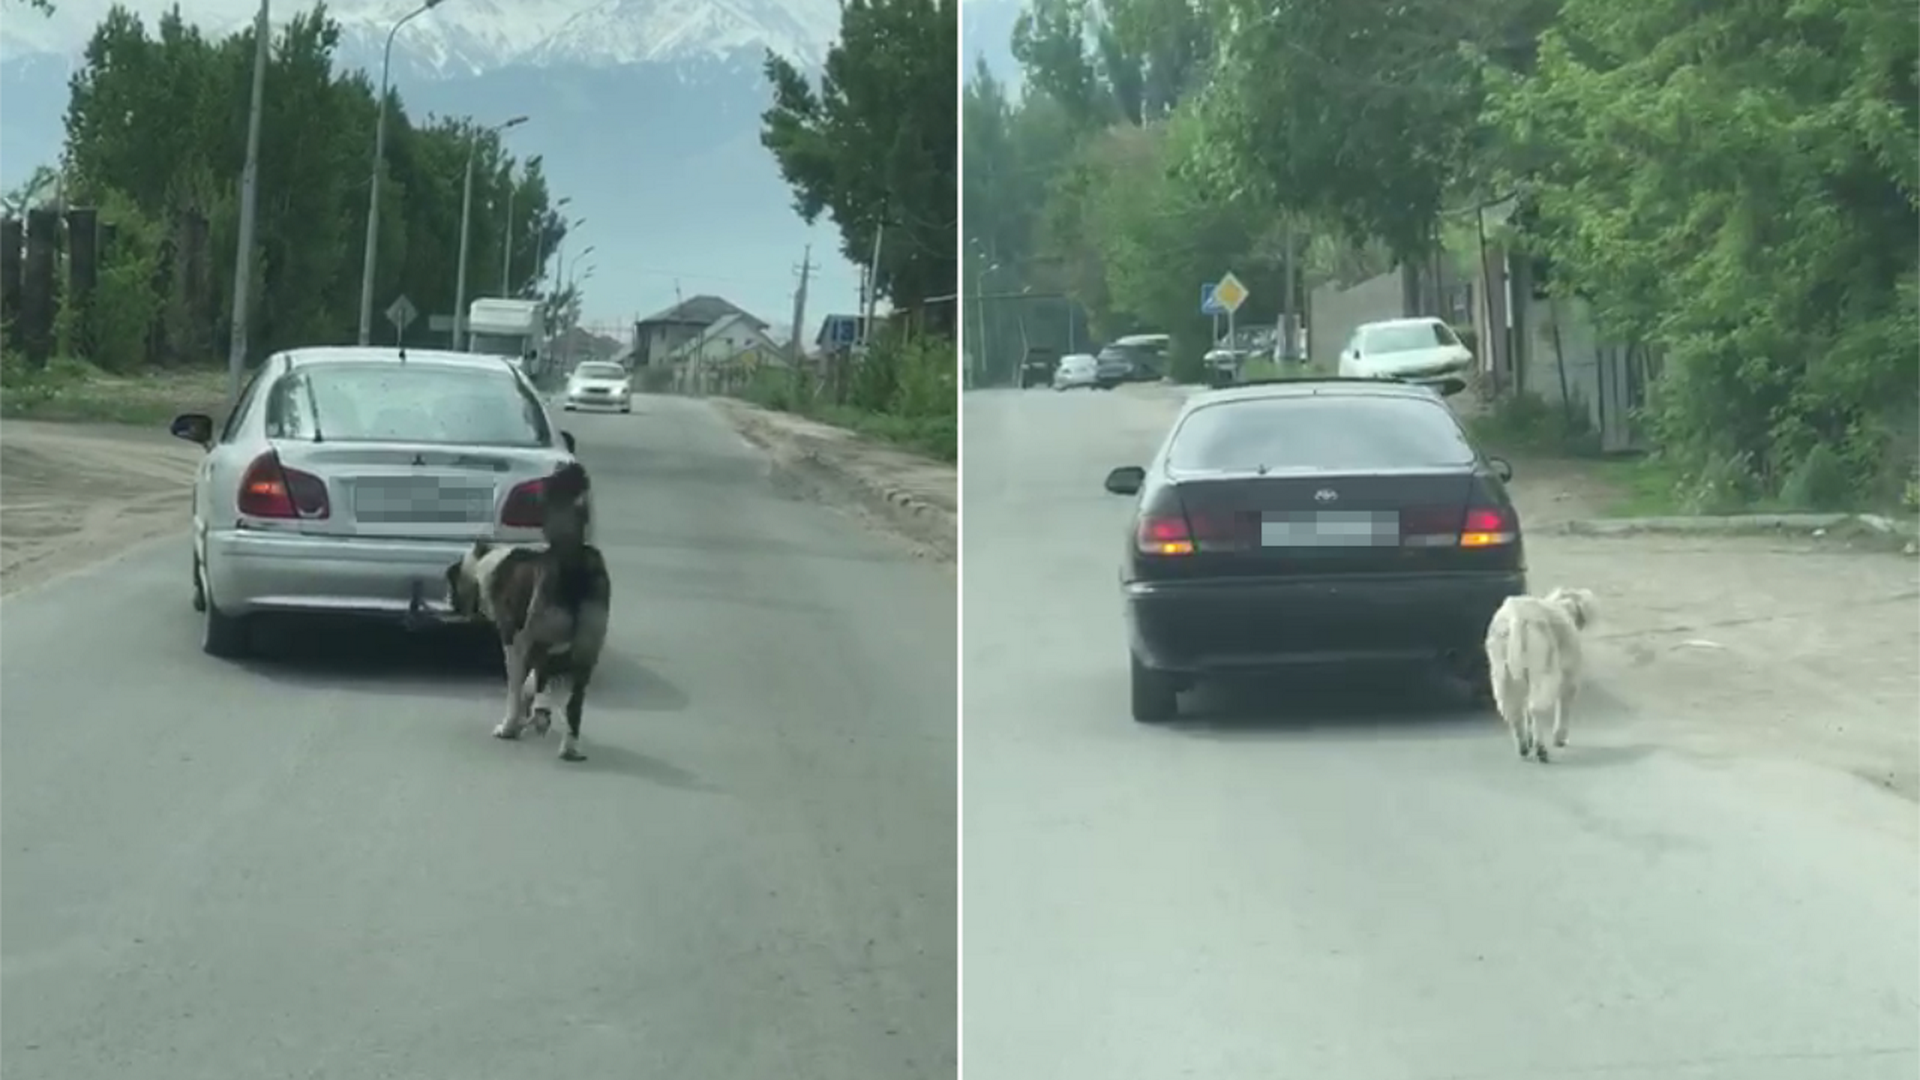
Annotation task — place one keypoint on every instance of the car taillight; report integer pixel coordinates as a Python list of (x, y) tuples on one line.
[(1161, 534), (1488, 527), (525, 508), (1447, 526), (271, 490)]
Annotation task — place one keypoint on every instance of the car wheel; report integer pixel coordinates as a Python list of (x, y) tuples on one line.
[(223, 635), (1156, 694)]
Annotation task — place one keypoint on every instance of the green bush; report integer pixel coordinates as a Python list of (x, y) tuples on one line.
[(1821, 481)]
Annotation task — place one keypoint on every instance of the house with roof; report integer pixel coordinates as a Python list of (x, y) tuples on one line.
[(733, 347), (660, 335)]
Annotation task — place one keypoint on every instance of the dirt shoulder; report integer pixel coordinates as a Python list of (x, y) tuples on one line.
[(76, 494), (913, 496)]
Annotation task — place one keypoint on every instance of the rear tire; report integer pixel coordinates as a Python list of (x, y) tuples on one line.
[(1156, 694), (225, 636)]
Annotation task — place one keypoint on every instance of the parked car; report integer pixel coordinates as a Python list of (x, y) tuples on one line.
[(1313, 520), (1136, 358), (1422, 350), (1076, 369), (599, 384), (346, 481), (1223, 365), (1036, 367)]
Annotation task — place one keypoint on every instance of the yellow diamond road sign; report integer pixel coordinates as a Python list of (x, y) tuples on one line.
[(1230, 294)]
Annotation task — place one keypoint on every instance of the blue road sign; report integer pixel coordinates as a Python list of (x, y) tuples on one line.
[(1207, 304)]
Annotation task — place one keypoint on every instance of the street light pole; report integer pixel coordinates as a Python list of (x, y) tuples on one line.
[(460, 275), (249, 202), (466, 221), (379, 166)]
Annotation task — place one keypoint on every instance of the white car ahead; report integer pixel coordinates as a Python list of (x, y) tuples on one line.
[(1077, 369), (599, 385), (1423, 351)]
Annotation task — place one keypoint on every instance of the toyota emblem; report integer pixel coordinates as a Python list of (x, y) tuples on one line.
[(1325, 495)]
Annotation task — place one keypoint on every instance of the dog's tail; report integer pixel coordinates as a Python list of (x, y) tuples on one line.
[(568, 508)]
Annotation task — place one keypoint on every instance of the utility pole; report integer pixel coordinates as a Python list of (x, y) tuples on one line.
[(873, 281), (460, 275), (249, 201), (796, 352), (1289, 317)]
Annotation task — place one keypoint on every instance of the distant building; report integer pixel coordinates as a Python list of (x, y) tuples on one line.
[(660, 335)]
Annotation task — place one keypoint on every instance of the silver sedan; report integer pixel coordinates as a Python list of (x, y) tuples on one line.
[(347, 480)]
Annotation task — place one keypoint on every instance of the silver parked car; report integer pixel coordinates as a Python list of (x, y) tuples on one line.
[(347, 480)]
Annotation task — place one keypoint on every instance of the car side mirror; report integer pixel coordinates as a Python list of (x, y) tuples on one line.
[(567, 437), (1126, 480), (196, 428), (1502, 468)]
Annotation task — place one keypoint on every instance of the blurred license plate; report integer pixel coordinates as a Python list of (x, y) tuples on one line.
[(1331, 528), (421, 500)]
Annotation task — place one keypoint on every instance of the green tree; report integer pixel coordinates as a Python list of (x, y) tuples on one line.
[(874, 146), (1740, 188), (156, 131)]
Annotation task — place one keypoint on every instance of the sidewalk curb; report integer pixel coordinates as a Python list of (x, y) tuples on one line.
[(924, 523), (1732, 524)]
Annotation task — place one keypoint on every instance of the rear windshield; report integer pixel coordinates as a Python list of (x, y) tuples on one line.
[(1406, 338), (1319, 434), (398, 402), (601, 371)]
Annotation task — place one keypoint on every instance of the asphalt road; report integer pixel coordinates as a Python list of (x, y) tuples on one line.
[(321, 865), (1352, 877)]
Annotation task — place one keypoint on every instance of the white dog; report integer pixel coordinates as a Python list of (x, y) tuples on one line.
[(1533, 653)]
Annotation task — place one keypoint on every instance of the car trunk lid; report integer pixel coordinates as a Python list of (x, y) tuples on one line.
[(398, 490), (1309, 522)]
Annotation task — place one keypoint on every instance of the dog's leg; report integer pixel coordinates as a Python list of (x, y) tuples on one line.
[(1561, 707), (1537, 733), (517, 676), (576, 696), (542, 705)]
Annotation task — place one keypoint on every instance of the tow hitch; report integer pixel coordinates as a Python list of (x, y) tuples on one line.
[(417, 617)]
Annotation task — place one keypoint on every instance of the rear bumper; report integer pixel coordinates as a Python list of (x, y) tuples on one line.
[(251, 572), (1203, 627)]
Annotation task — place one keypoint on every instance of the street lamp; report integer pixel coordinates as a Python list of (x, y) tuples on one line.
[(249, 199), (506, 244), (560, 256), (466, 220), (379, 164)]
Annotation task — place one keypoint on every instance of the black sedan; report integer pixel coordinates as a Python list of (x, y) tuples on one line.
[(1314, 520)]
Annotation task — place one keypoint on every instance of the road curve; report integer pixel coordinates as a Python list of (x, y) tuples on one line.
[(320, 865), (1332, 878)]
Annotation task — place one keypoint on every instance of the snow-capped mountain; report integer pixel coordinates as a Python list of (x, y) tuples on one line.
[(646, 113), (470, 37)]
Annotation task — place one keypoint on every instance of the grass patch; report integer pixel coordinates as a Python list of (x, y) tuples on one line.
[(933, 436), (75, 391), (900, 393)]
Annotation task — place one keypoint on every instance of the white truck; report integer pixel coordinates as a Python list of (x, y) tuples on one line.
[(501, 327)]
